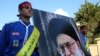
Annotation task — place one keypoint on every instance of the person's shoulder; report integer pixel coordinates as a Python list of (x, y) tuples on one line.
[(12, 23), (9, 24)]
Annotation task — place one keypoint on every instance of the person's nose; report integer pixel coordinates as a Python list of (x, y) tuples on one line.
[(67, 52)]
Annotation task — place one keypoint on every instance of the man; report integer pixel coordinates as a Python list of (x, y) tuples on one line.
[(83, 32), (67, 46), (15, 34)]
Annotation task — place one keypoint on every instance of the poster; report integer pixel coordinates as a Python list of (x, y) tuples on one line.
[(49, 30)]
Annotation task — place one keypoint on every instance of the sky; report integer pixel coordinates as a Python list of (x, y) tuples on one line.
[(9, 8)]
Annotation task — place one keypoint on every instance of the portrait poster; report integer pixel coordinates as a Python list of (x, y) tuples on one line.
[(50, 25)]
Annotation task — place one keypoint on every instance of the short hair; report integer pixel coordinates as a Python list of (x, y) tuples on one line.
[(83, 26)]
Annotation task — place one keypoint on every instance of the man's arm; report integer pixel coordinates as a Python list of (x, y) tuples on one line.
[(4, 39)]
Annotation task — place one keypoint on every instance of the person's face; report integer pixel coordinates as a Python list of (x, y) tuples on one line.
[(26, 11), (85, 30), (67, 45)]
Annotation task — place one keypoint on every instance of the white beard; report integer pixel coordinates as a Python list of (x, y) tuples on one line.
[(79, 52)]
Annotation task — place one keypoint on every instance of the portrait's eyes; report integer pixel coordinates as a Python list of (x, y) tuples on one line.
[(67, 44), (62, 47)]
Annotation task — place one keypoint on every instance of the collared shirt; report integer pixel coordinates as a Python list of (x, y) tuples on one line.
[(14, 35), (84, 39)]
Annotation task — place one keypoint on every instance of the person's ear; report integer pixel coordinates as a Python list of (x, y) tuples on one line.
[(19, 11)]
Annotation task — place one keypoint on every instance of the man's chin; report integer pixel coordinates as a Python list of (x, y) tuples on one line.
[(78, 53), (27, 16)]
